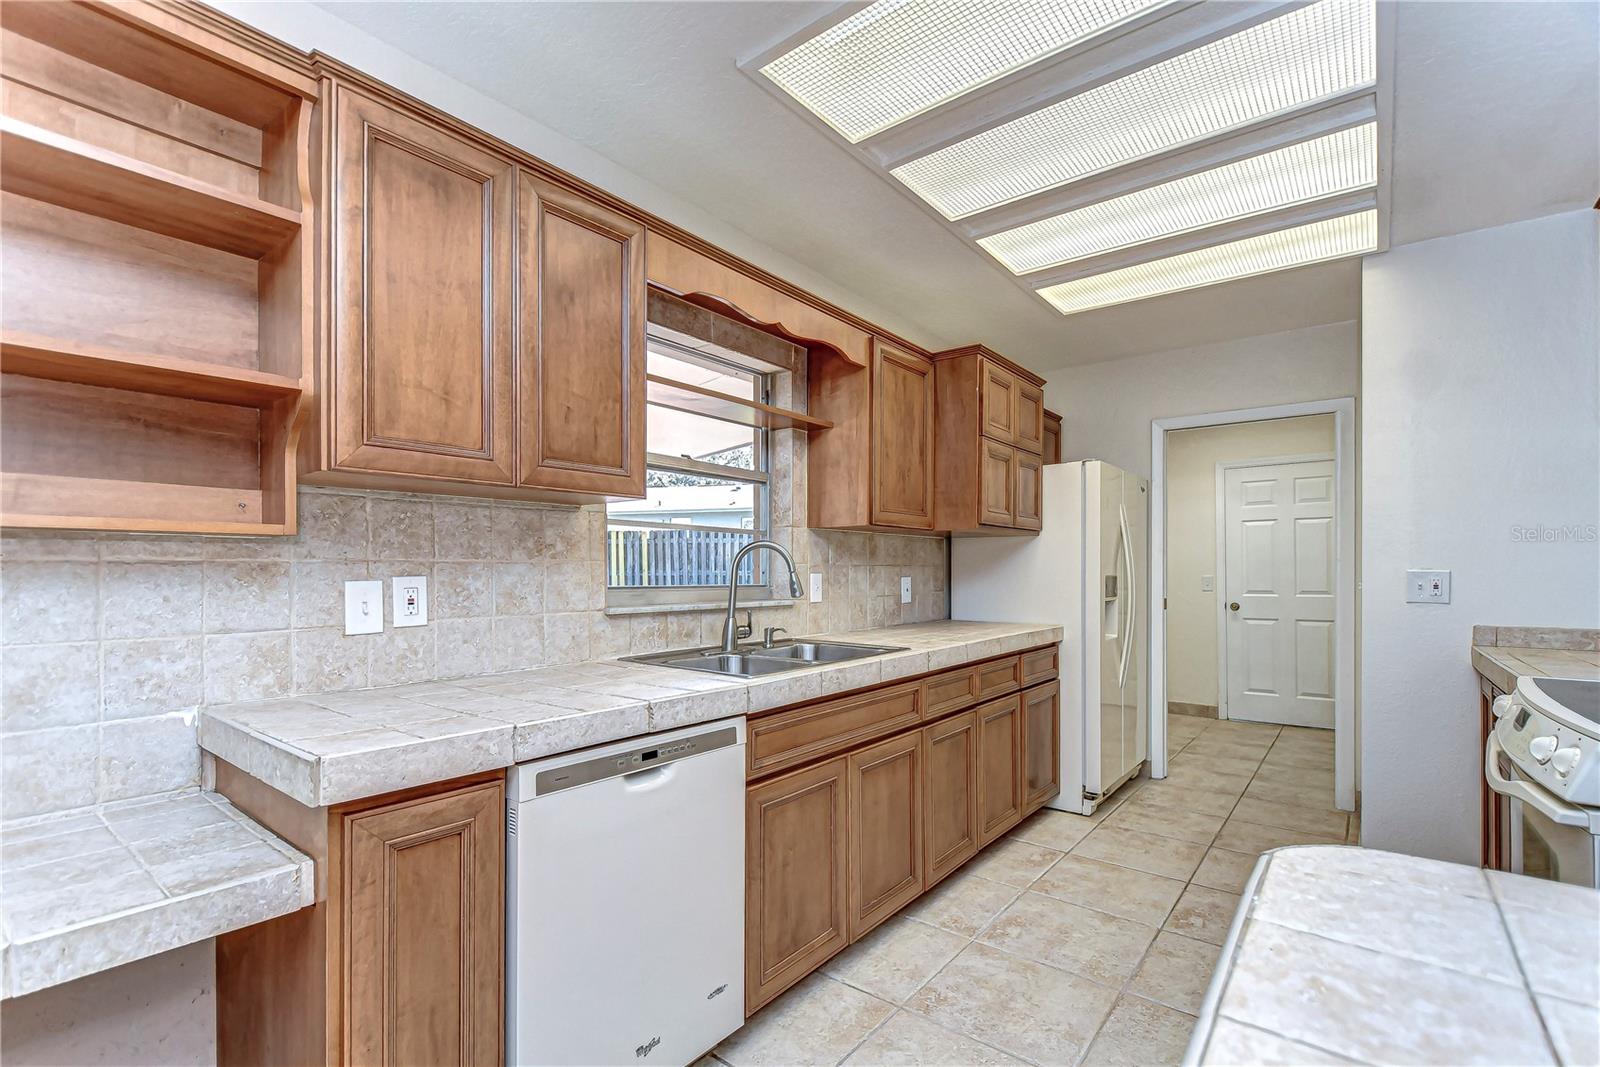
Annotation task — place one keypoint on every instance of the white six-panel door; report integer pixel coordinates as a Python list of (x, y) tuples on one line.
[(1278, 611)]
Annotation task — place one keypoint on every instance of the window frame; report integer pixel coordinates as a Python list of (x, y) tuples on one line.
[(758, 475)]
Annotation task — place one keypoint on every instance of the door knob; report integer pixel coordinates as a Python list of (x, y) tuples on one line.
[(1233, 605)]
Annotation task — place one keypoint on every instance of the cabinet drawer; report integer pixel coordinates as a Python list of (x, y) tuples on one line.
[(947, 692), (999, 676), (793, 737), (1040, 664)]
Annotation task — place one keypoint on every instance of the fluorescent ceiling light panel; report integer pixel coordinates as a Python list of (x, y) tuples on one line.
[(1296, 59), (897, 58), (1297, 174), (1298, 246)]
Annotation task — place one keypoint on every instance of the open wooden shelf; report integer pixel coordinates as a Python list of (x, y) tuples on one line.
[(66, 361), (57, 501), (681, 396), (43, 165)]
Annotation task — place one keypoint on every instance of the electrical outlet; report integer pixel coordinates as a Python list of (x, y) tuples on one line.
[(410, 600), (1427, 587), (363, 608), (905, 589), (1208, 583), (816, 587)]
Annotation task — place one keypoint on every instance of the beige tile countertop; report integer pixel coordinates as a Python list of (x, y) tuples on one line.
[(1503, 654), (1341, 954), (88, 891), (324, 750)]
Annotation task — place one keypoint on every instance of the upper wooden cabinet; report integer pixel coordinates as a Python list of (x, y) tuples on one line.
[(581, 344), (875, 467), (421, 298), (1052, 437), (991, 435), (486, 325)]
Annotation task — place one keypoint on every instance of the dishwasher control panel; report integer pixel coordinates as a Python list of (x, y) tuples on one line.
[(637, 759)]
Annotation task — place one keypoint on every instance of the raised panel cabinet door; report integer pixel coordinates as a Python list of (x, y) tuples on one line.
[(902, 438), (1052, 438), (796, 910), (999, 767), (997, 402), (580, 343), (885, 830), (1027, 472), (997, 488), (1030, 418), (423, 929), (950, 794), (421, 244), (1041, 745)]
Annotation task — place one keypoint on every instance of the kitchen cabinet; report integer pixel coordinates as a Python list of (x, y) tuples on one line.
[(421, 236), (874, 468), (1000, 773), (1041, 746), (796, 857), (885, 798), (401, 960), (1491, 809), (950, 802), (990, 443), (1052, 437), (581, 343)]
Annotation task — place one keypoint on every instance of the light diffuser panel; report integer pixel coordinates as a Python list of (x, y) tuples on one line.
[(1298, 246), (1297, 174), (1307, 55), (897, 58)]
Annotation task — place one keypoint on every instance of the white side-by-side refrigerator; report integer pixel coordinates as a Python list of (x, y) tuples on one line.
[(1086, 572)]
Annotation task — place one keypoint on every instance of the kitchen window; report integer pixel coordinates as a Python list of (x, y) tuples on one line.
[(705, 486)]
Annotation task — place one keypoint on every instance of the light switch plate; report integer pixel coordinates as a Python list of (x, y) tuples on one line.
[(1208, 583), (905, 589), (816, 587), (363, 608), (410, 600), (1427, 587)]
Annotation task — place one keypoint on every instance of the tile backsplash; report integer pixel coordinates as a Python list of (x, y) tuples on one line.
[(111, 642)]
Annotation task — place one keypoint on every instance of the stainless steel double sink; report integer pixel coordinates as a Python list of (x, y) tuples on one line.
[(754, 660)]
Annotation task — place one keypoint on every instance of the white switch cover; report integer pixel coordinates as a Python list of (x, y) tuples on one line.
[(1208, 583), (816, 587), (363, 608), (905, 589), (1427, 587), (411, 601)]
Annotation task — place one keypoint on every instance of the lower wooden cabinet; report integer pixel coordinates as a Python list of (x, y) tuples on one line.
[(950, 795), (885, 800), (999, 767), (796, 907), (1041, 746)]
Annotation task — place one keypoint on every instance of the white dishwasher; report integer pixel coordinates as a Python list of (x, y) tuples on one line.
[(625, 900)]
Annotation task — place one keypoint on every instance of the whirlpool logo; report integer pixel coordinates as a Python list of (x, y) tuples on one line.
[(648, 1047)]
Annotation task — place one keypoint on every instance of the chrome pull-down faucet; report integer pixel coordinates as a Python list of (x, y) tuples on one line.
[(731, 630)]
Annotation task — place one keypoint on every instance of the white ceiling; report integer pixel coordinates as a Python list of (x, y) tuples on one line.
[(1495, 119)]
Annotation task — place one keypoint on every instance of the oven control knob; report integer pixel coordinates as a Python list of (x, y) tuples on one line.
[(1501, 706), (1542, 748), (1565, 759)]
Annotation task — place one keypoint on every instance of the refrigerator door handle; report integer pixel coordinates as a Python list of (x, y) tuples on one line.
[(1127, 590)]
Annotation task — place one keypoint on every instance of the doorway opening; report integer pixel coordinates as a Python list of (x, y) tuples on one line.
[(1252, 582)]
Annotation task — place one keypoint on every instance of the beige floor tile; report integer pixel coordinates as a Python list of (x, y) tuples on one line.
[(1054, 829), (1310, 796), (1145, 898), (1199, 777), (1323, 821), (1232, 1042), (1240, 728), (895, 960), (1022, 1007), (1574, 1029), (909, 1040), (1015, 863), (1195, 827), (1304, 777), (1292, 756), (1215, 764), (1176, 972), (1077, 939), (1225, 870), (963, 903), (817, 1022), (1163, 794), (1203, 914), (1150, 853), (1239, 835), (1229, 748), (1141, 1033)]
